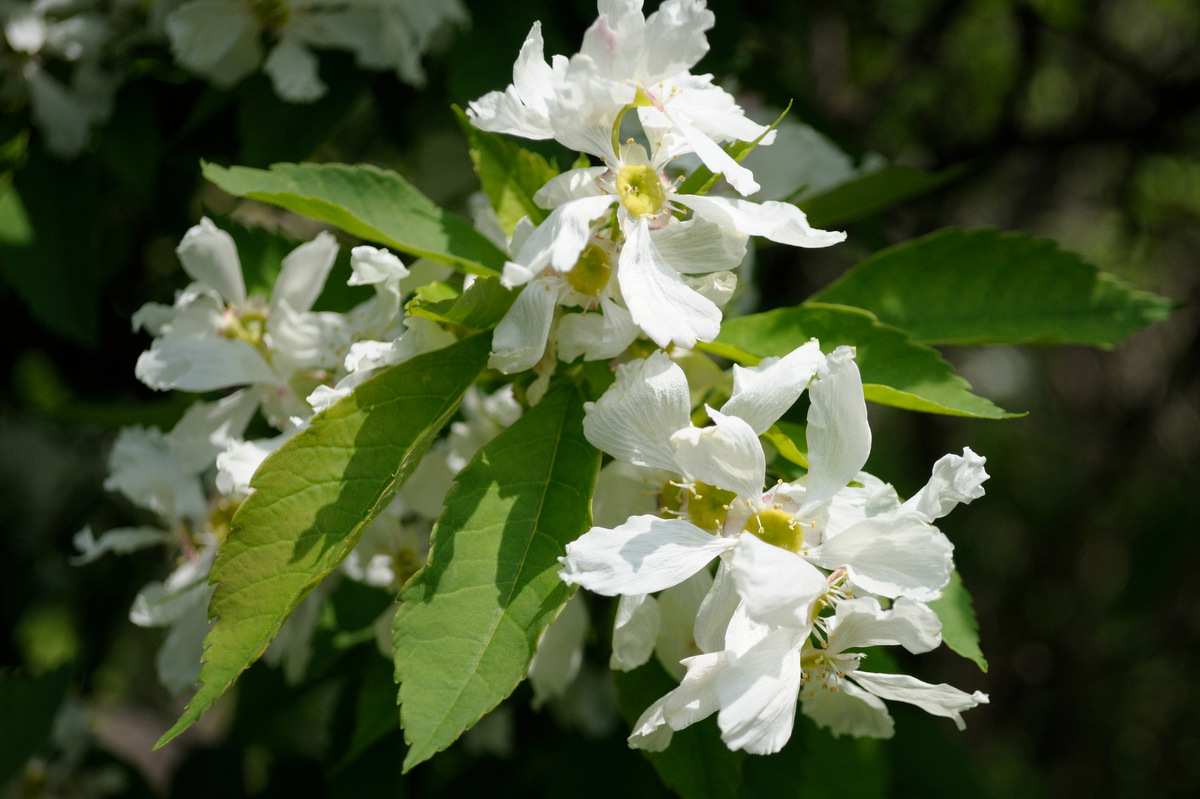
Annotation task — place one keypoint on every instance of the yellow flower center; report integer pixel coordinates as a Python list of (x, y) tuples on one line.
[(777, 527), (591, 272), (248, 326), (641, 189), (706, 506)]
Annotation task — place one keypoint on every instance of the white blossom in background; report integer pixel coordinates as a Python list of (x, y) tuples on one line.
[(222, 40), (46, 38)]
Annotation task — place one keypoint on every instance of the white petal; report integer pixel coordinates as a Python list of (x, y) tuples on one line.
[(777, 221), (839, 438), (215, 38), (306, 339), (727, 455), (955, 480), (142, 467), (738, 176), (892, 557), (208, 427), (595, 336), (635, 629), (849, 710), (119, 541), (644, 555), (757, 692), (763, 393), (178, 659), (716, 610), (292, 68), (665, 308), (634, 419), (574, 184), (519, 341), (938, 700), (209, 255), (521, 109), (303, 272), (692, 701), (559, 652), (241, 459), (561, 237), (860, 623), (371, 266), (698, 246), (778, 586), (679, 605), (201, 364), (624, 490), (675, 34)]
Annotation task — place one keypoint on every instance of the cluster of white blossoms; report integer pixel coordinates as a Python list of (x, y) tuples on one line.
[(616, 258), (808, 572), (222, 40), (286, 362)]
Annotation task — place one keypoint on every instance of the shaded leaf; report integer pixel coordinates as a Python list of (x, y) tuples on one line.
[(873, 192), (960, 631), (28, 705), (470, 620), (313, 498), (371, 203), (508, 174), (480, 307), (987, 287), (896, 370)]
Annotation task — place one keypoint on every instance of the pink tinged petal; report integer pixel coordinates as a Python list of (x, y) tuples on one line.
[(763, 393), (614, 41), (679, 605), (777, 221), (665, 308), (727, 455), (202, 364), (937, 700), (757, 692), (839, 438), (574, 184), (209, 256), (559, 652), (891, 557), (634, 419), (634, 630), (676, 33), (303, 272), (519, 341), (716, 611), (955, 480), (861, 623), (778, 586), (644, 555), (848, 710), (698, 246)]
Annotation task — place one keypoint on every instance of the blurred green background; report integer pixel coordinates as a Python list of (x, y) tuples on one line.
[(1075, 120)]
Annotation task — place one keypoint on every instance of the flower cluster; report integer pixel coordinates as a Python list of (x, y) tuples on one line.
[(620, 238)]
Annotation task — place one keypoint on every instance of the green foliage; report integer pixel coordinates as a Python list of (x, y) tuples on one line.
[(314, 497), (871, 193), (509, 174), (960, 631), (817, 765), (480, 307), (987, 287), (371, 203), (697, 764), (28, 705), (896, 369), (471, 619)]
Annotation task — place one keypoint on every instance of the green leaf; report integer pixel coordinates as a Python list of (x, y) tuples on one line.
[(960, 631), (697, 764), (375, 713), (509, 174), (313, 498), (371, 203), (785, 444), (817, 765), (480, 307), (470, 620), (987, 287), (28, 706), (896, 370), (873, 192)]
